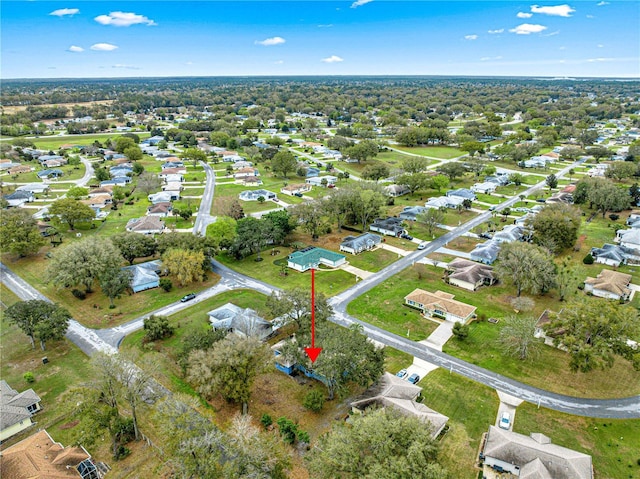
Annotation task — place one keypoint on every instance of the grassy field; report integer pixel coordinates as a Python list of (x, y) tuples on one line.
[(372, 260), (549, 371), (70, 173), (55, 142), (94, 310), (443, 152)]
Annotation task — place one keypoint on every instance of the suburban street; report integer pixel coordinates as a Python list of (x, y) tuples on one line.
[(204, 218)]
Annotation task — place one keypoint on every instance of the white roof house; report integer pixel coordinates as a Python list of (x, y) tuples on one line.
[(484, 187), (317, 180), (253, 195)]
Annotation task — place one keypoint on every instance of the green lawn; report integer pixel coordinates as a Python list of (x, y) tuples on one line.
[(372, 260), (395, 360), (443, 152), (613, 444), (53, 143), (549, 371), (270, 270)]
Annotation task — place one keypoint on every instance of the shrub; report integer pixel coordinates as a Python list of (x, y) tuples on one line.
[(303, 436), (121, 453), (614, 216), (78, 293), (288, 430), (588, 259), (157, 327), (166, 284), (314, 400), (29, 377), (460, 331), (266, 420)]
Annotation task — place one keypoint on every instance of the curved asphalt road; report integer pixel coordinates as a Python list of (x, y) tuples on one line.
[(90, 340)]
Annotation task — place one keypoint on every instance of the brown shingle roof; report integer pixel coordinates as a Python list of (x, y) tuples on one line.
[(40, 457), (612, 281), (444, 301), (470, 271)]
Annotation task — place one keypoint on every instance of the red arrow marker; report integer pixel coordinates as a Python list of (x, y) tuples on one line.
[(313, 352)]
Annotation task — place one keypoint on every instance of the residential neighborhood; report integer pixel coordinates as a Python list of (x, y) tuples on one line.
[(230, 277)]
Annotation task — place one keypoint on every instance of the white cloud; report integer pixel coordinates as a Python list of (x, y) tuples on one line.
[(270, 41), (333, 59), (495, 32), (188, 63), (527, 29), (591, 16), (76, 49), (524, 15), (600, 45), (471, 37), (562, 48), (485, 59), (123, 19), (602, 4), (552, 34), (326, 25), (557, 10), (61, 12), (278, 62), (103, 47), (126, 67), (359, 3)]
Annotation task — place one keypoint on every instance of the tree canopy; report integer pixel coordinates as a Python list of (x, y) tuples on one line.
[(39, 320), (379, 444), (19, 232), (526, 266), (71, 211), (556, 226), (595, 331)]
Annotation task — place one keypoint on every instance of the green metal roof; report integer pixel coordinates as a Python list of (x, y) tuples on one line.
[(311, 256)]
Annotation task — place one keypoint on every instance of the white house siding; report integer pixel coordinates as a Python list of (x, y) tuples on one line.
[(462, 284)]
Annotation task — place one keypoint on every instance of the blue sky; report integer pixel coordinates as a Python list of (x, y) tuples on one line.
[(363, 37)]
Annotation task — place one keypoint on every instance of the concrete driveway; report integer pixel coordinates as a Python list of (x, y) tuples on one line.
[(508, 404)]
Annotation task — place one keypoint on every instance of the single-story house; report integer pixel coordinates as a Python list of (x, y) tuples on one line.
[(317, 181), (120, 170), (154, 140), (440, 305), (119, 181), (360, 243), (162, 209), (242, 322), (173, 186), (8, 164), (396, 190), (52, 173), (98, 201), (16, 410), (144, 275), (249, 181), (500, 180), (609, 284), (311, 257), (146, 225), (486, 252), (509, 234), (463, 193), (411, 213), (444, 202), (469, 274), (164, 196), (532, 456), (19, 198), (633, 219), (238, 165), (312, 172), (244, 172), (300, 189), (486, 187), (54, 163), (233, 158), (35, 188), (253, 195), (43, 158), (390, 226), (629, 238), (400, 395), (535, 162), (40, 457), (16, 170), (615, 255), (172, 171), (178, 165), (173, 178), (102, 190)]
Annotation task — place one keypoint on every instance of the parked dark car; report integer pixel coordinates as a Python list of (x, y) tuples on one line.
[(414, 378), (406, 236), (299, 195), (188, 297)]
